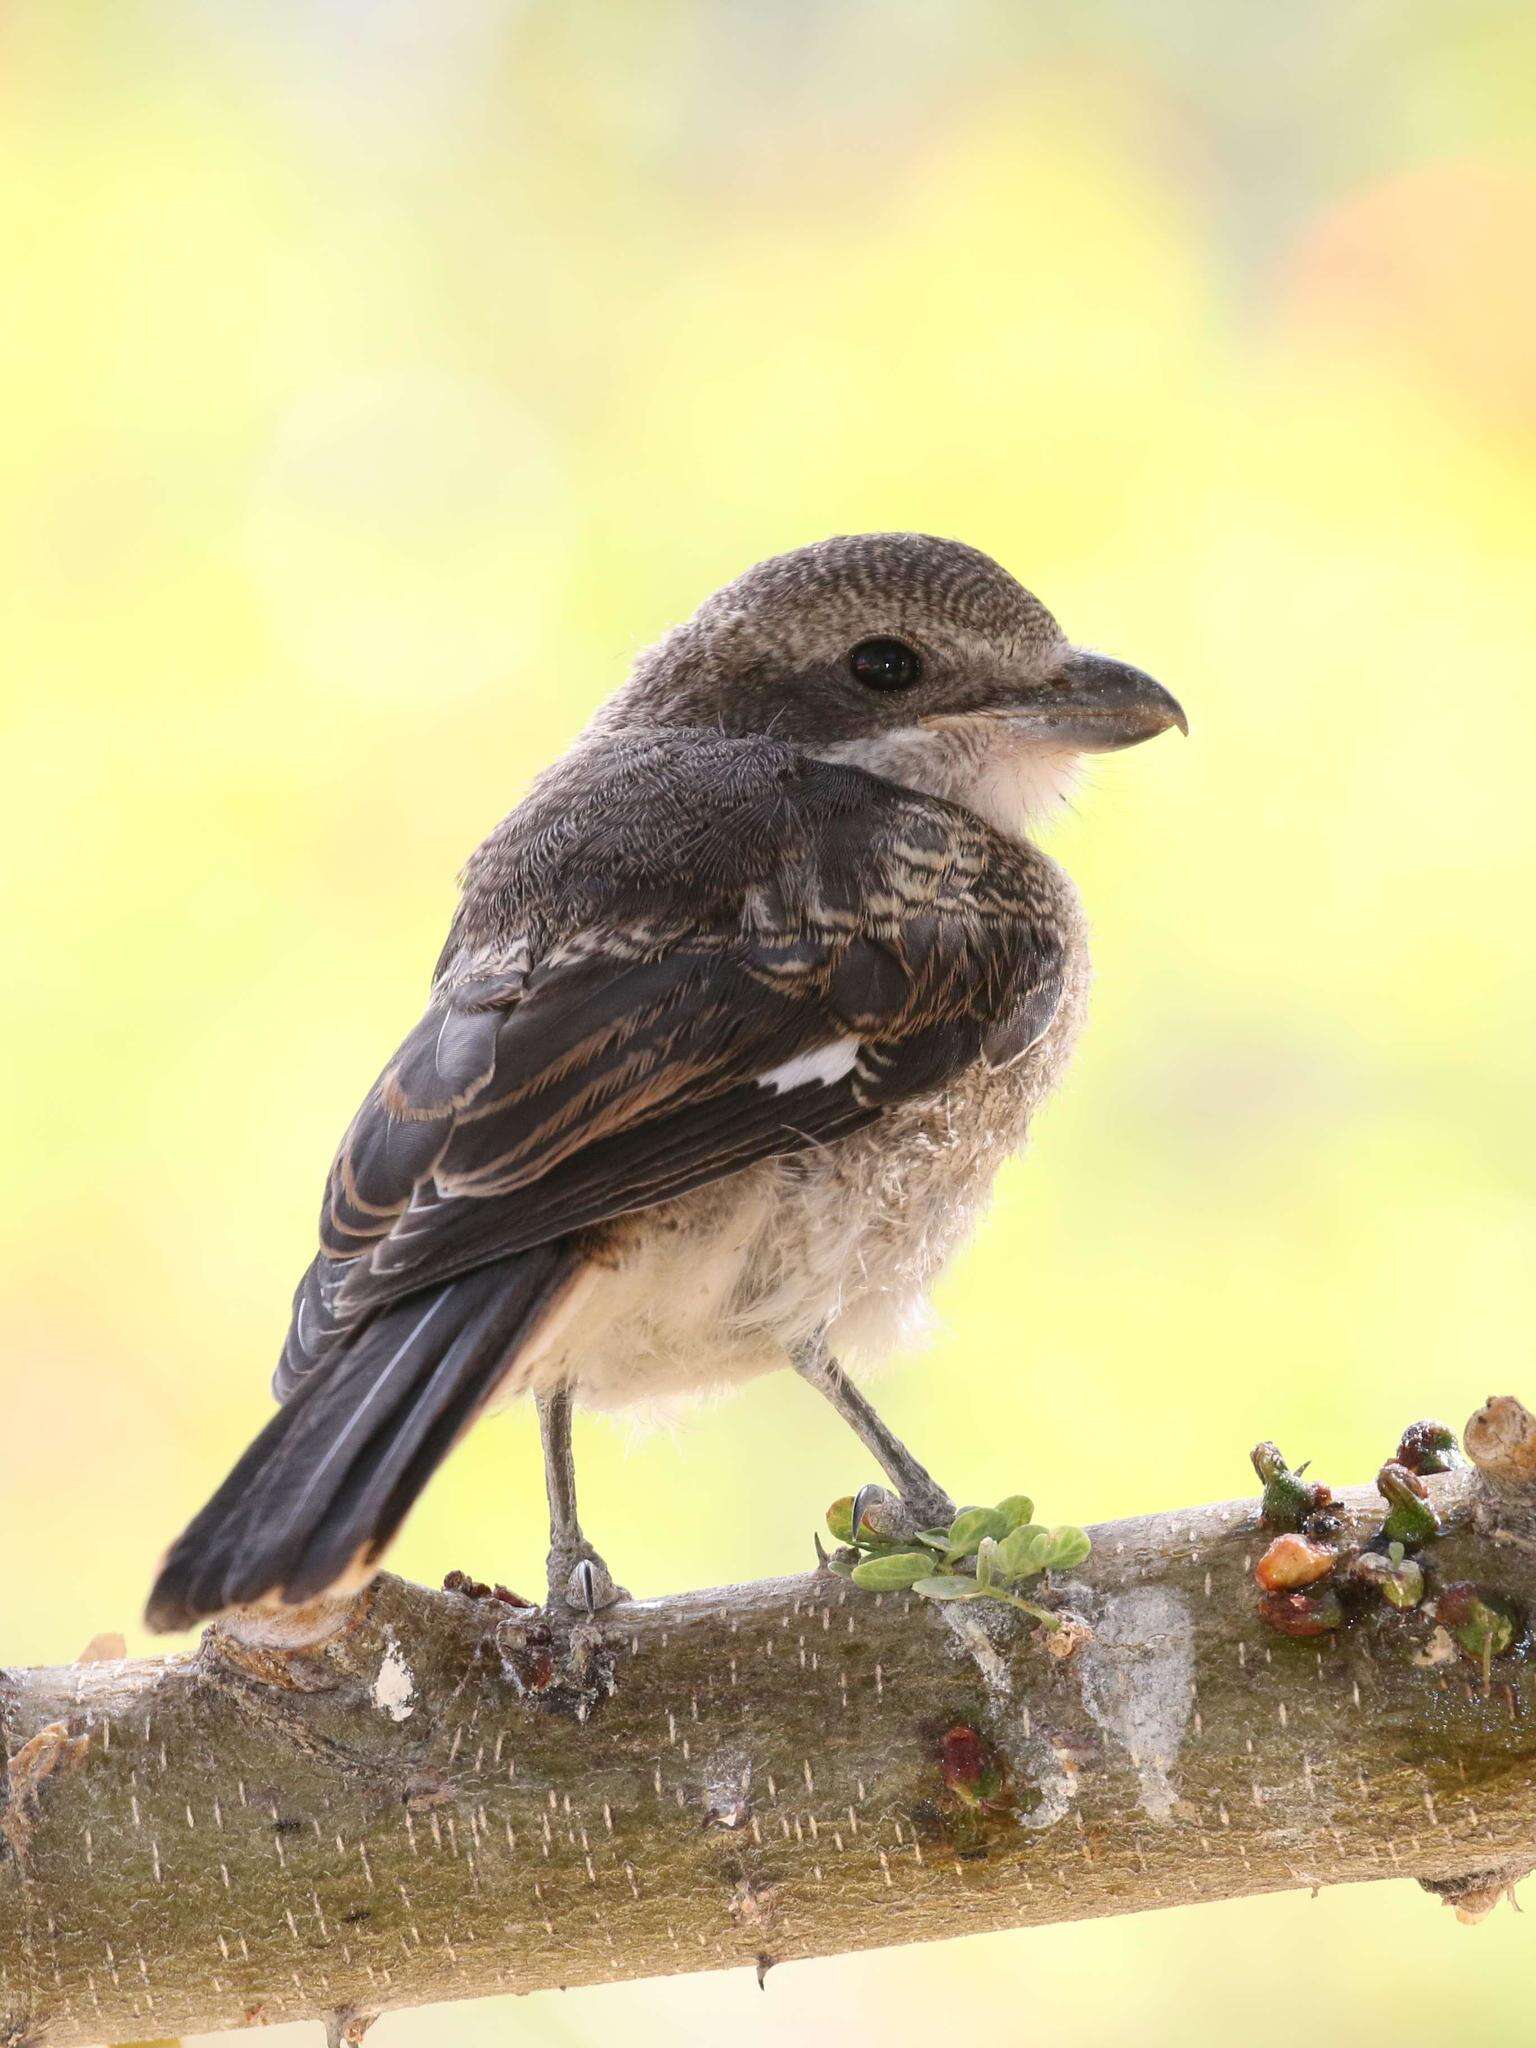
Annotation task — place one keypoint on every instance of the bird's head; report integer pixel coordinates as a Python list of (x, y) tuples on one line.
[(918, 659)]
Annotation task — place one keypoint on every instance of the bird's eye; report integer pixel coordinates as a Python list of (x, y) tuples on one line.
[(885, 664)]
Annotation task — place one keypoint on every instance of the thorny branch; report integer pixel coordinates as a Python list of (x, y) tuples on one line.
[(447, 1797)]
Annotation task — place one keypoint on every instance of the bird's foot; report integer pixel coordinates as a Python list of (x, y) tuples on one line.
[(898, 1517), (579, 1582)]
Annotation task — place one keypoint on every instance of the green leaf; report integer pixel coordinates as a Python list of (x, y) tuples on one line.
[(1022, 1552), (936, 1539), (892, 1574), (1066, 1549), (967, 1530), (1016, 1510), (950, 1587), (840, 1519)]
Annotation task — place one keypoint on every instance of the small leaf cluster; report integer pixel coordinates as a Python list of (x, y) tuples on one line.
[(1314, 1581), (984, 1554)]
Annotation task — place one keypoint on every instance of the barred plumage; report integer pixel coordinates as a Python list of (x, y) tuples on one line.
[(717, 991)]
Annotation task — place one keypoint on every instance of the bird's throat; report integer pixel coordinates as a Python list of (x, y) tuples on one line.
[(1017, 785)]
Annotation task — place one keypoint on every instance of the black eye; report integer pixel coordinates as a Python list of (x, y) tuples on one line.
[(885, 664)]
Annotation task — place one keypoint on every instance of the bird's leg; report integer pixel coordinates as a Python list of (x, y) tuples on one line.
[(578, 1578), (921, 1494)]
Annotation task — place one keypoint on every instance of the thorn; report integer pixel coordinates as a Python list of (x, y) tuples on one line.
[(764, 1965), (104, 1649), (586, 1582)]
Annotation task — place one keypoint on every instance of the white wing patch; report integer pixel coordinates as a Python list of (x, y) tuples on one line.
[(828, 1063)]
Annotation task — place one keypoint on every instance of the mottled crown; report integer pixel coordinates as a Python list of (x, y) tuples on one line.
[(769, 653), (942, 582)]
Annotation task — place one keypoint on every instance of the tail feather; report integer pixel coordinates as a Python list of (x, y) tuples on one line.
[(328, 1482)]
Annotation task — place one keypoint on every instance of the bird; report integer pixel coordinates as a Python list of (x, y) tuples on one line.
[(741, 1010)]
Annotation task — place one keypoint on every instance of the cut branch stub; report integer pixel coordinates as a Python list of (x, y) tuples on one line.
[(1501, 1442)]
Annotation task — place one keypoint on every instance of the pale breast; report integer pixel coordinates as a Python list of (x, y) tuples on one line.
[(849, 1238), (872, 1222)]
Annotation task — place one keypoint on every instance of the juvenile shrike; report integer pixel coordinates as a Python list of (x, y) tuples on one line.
[(742, 1009)]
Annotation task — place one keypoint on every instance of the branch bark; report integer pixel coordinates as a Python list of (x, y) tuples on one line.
[(446, 1798)]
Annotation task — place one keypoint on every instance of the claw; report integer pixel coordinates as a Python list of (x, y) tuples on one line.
[(587, 1588), (866, 1496)]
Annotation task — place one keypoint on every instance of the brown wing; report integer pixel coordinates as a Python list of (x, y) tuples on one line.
[(765, 958)]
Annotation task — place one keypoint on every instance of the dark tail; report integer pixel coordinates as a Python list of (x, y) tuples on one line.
[(332, 1476)]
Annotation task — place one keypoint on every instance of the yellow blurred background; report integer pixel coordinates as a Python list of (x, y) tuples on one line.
[(379, 375)]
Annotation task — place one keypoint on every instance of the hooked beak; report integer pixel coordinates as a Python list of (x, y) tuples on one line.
[(1097, 705)]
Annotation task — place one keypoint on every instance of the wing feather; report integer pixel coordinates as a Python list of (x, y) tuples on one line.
[(629, 984)]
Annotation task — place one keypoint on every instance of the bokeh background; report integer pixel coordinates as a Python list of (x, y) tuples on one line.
[(378, 375)]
